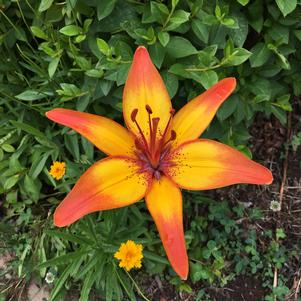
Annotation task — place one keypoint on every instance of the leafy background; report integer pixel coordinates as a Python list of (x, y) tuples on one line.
[(76, 54)]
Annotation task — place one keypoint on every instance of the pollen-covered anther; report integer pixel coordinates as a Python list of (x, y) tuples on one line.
[(173, 135), (134, 114), (148, 109)]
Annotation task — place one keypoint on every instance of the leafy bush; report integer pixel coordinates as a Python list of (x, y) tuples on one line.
[(76, 54)]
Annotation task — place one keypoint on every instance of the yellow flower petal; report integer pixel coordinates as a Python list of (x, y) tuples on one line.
[(130, 255), (57, 170)]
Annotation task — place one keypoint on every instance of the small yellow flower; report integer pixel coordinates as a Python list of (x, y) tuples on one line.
[(57, 170), (130, 255)]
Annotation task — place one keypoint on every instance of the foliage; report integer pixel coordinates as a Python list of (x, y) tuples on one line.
[(76, 54)]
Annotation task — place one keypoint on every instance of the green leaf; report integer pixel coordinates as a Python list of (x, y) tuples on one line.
[(53, 66), (207, 78), (260, 54), (163, 38), (243, 2), (171, 83), (227, 108), (103, 47), (95, 73), (104, 8), (38, 32), (71, 30), (180, 47), (31, 95), (179, 17), (8, 148), (200, 30), (10, 182), (44, 5), (286, 6), (238, 56), (157, 53), (87, 285)]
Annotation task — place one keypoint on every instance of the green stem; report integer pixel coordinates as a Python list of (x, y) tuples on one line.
[(137, 287)]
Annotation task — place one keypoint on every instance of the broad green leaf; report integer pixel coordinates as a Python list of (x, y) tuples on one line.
[(238, 56), (8, 148), (31, 95), (95, 73), (157, 53), (10, 182), (260, 54), (38, 32), (200, 30), (44, 5), (103, 47), (206, 78), (71, 30), (171, 83), (227, 108), (180, 47), (286, 6), (179, 17), (104, 8), (163, 38)]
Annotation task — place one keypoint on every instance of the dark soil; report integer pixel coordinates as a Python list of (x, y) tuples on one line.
[(269, 143)]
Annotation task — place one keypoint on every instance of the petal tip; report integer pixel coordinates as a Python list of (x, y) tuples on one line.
[(58, 221), (231, 82), (141, 52)]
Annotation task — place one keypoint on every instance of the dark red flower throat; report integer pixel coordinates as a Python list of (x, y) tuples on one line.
[(153, 152)]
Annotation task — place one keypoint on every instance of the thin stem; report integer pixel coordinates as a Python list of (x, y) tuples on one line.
[(137, 287)]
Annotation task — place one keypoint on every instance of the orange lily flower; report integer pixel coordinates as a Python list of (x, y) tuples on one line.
[(158, 154)]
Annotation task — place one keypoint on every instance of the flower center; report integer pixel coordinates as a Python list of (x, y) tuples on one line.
[(153, 151)]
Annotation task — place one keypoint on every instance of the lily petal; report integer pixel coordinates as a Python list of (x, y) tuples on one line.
[(144, 86), (104, 133), (207, 164), (164, 201), (110, 183), (190, 122)]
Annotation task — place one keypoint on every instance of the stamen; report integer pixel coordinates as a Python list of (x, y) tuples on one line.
[(134, 114), (133, 117), (173, 136), (148, 109)]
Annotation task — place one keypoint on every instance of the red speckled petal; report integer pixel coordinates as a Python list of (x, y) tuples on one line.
[(207, 164), (110, 183), (104, 133)]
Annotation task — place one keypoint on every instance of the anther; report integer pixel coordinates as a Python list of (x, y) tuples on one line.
[(148, 109), (172, 112), (173, 135), (134, 114)]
